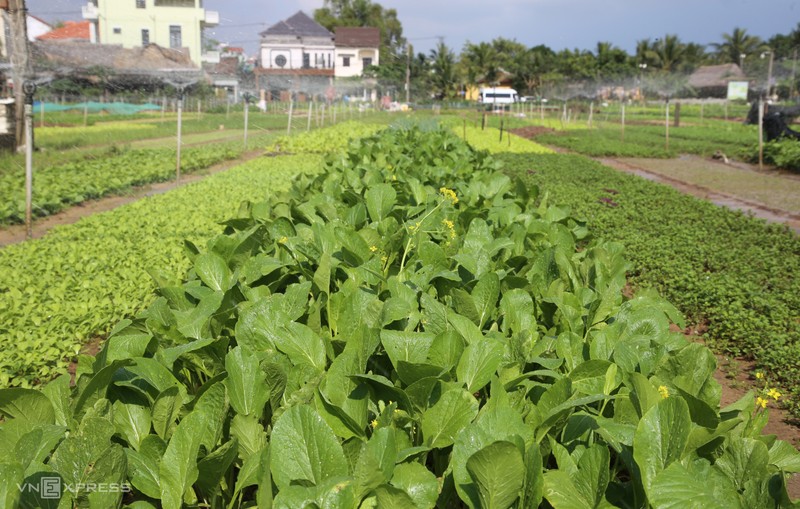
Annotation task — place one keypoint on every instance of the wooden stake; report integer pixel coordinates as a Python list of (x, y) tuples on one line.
[(760, 134), (289, 124)]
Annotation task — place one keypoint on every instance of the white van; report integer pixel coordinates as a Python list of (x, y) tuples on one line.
[(498, 95)]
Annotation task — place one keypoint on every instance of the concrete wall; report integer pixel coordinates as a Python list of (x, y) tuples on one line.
[(319, 49), (130, 20), (357, 56)]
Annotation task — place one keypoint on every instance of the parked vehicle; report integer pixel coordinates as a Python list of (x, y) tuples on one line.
[(498, 95)]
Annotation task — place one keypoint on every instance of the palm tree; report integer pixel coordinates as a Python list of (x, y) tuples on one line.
[(669, 53), (443, 75), (645, 53), (480, 62), (736, 44)]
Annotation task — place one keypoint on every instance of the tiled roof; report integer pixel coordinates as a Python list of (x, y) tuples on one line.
[(70, 30), (300, 25), (358, 37)]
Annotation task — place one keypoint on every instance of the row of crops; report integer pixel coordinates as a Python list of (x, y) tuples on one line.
[(733, 275), (734, 140), (60, 186), (408, 328), (57, 292)]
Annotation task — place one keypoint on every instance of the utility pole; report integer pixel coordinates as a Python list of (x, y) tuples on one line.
[(408, 74), (794, 75), (20, 63)]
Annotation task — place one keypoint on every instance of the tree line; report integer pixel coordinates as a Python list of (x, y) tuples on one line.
[(443, 72)]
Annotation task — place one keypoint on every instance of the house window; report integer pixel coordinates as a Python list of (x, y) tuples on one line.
[(345, 61), (140, 4), (117, 30), (306, 60), (145, 37), (367, 62), (175, 40)]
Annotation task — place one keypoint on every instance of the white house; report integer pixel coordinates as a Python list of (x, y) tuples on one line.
[(357, 48), (37, 27), (297, 57), (298, 42)]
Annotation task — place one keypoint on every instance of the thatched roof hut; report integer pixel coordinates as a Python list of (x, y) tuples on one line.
[(712, 80)]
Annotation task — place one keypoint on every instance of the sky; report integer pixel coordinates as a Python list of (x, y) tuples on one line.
[(558, 24)]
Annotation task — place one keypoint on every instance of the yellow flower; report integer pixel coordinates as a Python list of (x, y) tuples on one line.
[(761, 402), (449, 194), (663, 391), (384, 258), (450, 227), (283, 240), (374, 423), (373, 248), (774, 394), (759, 375)]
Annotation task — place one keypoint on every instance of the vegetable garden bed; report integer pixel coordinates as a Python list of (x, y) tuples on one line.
[(410, 328)]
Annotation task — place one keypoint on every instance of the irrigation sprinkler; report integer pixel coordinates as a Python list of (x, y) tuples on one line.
[(760, 134), (29, 89), (666, 124), (289, 122), (247, 96), (180, 84)]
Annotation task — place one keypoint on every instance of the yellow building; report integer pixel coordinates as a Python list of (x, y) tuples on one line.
[(176, 24)]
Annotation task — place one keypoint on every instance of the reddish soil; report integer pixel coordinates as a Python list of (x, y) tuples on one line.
[(17, 233), (531, 131)]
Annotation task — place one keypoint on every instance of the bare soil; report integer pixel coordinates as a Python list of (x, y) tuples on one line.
[(644, 169)]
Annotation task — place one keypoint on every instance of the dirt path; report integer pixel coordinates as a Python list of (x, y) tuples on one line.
[(757, 209), (16, 233)]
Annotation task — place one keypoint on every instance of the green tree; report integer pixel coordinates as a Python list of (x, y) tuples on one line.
[(576, 65), (613, 63), (669, 53), (534, 68), (365, 13), (480, 62), (736, 44), (443, 71)]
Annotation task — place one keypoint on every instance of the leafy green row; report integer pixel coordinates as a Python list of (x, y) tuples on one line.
[(106, 133), (59, 291), (732, 274), (408, 329), (58, 187), (650, 141), (783, 154), (332, 139), (490, 140)]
